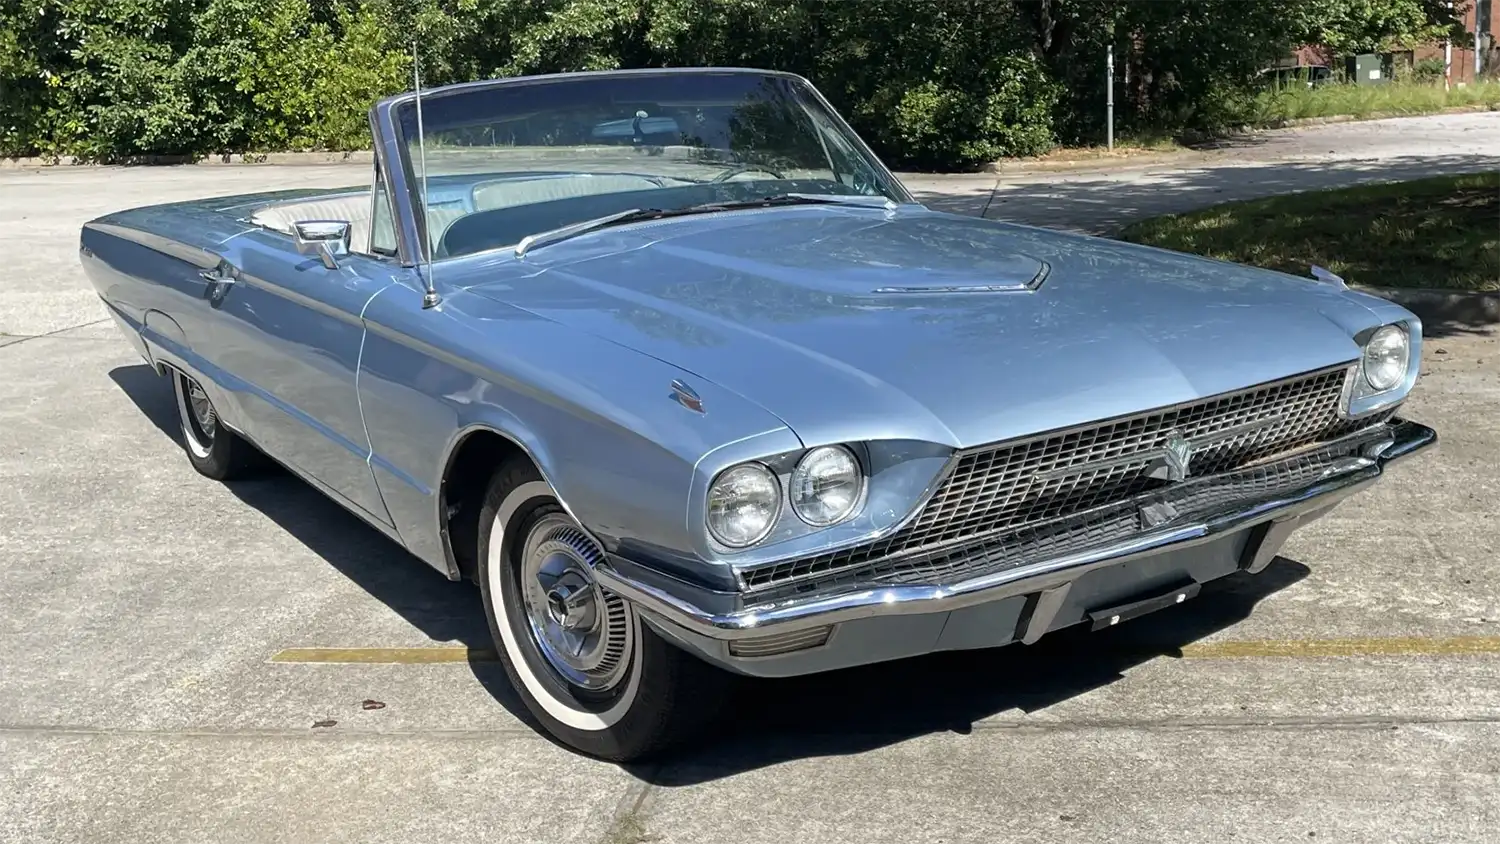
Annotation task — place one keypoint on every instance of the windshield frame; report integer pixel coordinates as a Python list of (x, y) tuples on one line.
[(402, 179)]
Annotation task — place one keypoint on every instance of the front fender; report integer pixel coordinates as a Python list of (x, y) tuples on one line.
[(600, 421)]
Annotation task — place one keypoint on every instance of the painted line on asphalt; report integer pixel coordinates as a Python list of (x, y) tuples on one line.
[(386, 656), (1231, 649), (1356, 646)]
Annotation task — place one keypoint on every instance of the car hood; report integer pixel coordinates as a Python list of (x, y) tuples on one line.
[(853, 323)]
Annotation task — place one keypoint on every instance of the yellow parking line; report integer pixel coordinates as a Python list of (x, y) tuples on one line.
[(386, 656), (1360, 646), (1232, 649)]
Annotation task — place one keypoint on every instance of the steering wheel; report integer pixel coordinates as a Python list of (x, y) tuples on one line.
[(744, 168), (862, 180)]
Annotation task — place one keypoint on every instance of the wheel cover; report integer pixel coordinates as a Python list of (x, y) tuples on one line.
[(583, 633), (200, 423), (203, 410)]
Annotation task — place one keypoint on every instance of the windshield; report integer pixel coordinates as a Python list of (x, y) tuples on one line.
[(511, 160)]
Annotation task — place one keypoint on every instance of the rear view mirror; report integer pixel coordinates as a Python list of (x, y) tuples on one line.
[(326, 239)]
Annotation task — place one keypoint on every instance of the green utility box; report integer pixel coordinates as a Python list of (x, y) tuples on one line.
[(1367, 69)]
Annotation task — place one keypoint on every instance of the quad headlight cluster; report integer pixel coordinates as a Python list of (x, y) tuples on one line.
[(745, 501)]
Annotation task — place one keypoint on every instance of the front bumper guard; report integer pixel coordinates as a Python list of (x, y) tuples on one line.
[(1273, 520)]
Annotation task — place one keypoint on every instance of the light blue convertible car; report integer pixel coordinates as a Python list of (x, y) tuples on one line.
[(681, 375)]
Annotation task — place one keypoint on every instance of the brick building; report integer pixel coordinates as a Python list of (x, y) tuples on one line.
[(1463, 57)]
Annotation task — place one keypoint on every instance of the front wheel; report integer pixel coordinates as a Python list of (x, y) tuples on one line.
[(587, 668)]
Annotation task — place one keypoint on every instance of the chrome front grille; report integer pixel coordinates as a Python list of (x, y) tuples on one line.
[(1010, 489), (1105, 525)]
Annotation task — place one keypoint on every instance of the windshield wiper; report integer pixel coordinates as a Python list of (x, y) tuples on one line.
[(859, 199), (574, 229), (635, 215)]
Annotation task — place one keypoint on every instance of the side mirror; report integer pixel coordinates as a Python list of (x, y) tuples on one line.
[(327, 239)]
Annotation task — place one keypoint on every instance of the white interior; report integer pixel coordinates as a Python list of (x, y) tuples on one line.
[(355, 208)]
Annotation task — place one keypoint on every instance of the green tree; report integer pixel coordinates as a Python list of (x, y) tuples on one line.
[(930, 83)]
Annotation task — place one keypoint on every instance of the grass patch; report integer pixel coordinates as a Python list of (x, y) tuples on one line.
[(1296, 102), (1441, 232)]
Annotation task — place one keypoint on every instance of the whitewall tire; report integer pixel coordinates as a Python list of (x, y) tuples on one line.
[(589, 670)]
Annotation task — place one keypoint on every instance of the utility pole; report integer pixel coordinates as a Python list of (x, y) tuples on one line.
[(1478, 51), (1448, 55), (1109, 87)]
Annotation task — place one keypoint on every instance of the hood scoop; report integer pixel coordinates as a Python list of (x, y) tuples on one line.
[(1024, 274)]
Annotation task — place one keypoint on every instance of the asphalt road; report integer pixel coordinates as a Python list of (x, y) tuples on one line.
[(1349, 693)]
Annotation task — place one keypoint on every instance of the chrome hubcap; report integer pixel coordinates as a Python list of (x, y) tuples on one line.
[(583, 633), (203, 411), (199, 421)]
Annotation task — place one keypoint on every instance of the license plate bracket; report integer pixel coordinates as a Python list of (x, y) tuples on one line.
[(1110, 616)]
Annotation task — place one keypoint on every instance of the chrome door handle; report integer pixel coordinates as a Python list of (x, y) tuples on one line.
[(219, 280), (216, 276)]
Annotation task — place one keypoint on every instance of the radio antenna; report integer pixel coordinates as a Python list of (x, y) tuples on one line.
[(430, 297)]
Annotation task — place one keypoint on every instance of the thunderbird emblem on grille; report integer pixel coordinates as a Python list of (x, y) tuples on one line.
[(1173, 462)]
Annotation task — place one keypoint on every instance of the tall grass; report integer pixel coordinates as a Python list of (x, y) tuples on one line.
[(1295, 102)]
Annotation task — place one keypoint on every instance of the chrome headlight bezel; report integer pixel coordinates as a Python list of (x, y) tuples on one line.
[(1363, 396), (778, 499), (1401, 343), (800, 526), (804, 465)]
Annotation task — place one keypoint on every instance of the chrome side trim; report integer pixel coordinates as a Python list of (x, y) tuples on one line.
[(1406, 439)]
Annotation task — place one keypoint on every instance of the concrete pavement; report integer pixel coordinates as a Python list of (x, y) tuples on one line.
[(141, 605), (1100, 200)]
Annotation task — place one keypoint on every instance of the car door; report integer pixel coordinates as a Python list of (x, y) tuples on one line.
[(288, 332)]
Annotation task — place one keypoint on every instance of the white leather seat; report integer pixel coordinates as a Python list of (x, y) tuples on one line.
[(505, 193), (353, 208), (508, 193)]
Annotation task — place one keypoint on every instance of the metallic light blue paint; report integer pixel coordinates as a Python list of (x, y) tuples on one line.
[(780, 320)]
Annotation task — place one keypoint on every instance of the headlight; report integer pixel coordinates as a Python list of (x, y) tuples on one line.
[(826, 485), (742, 505), (1386, 358)]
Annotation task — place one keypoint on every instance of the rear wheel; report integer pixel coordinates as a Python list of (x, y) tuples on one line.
[(212, 449), (587, 668)]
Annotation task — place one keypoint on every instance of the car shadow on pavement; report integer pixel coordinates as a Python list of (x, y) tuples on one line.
[(442, 610), (861, 709), (767, 721)]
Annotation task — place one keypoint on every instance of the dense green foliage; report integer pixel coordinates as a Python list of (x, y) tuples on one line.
[(938, 83)]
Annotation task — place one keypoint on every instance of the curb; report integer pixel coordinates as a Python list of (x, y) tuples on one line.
[(1103, 163), (234, 159), (1002, 166), (1019, 165), (1442, 306), (1377, 115)]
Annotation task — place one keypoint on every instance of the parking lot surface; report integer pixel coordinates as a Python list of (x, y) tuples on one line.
[(1351, 692)]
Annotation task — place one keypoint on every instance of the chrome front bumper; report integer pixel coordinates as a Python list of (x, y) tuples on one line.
[(1266, 524)]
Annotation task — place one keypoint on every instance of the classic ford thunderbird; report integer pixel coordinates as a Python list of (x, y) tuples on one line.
[(681, 375)]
